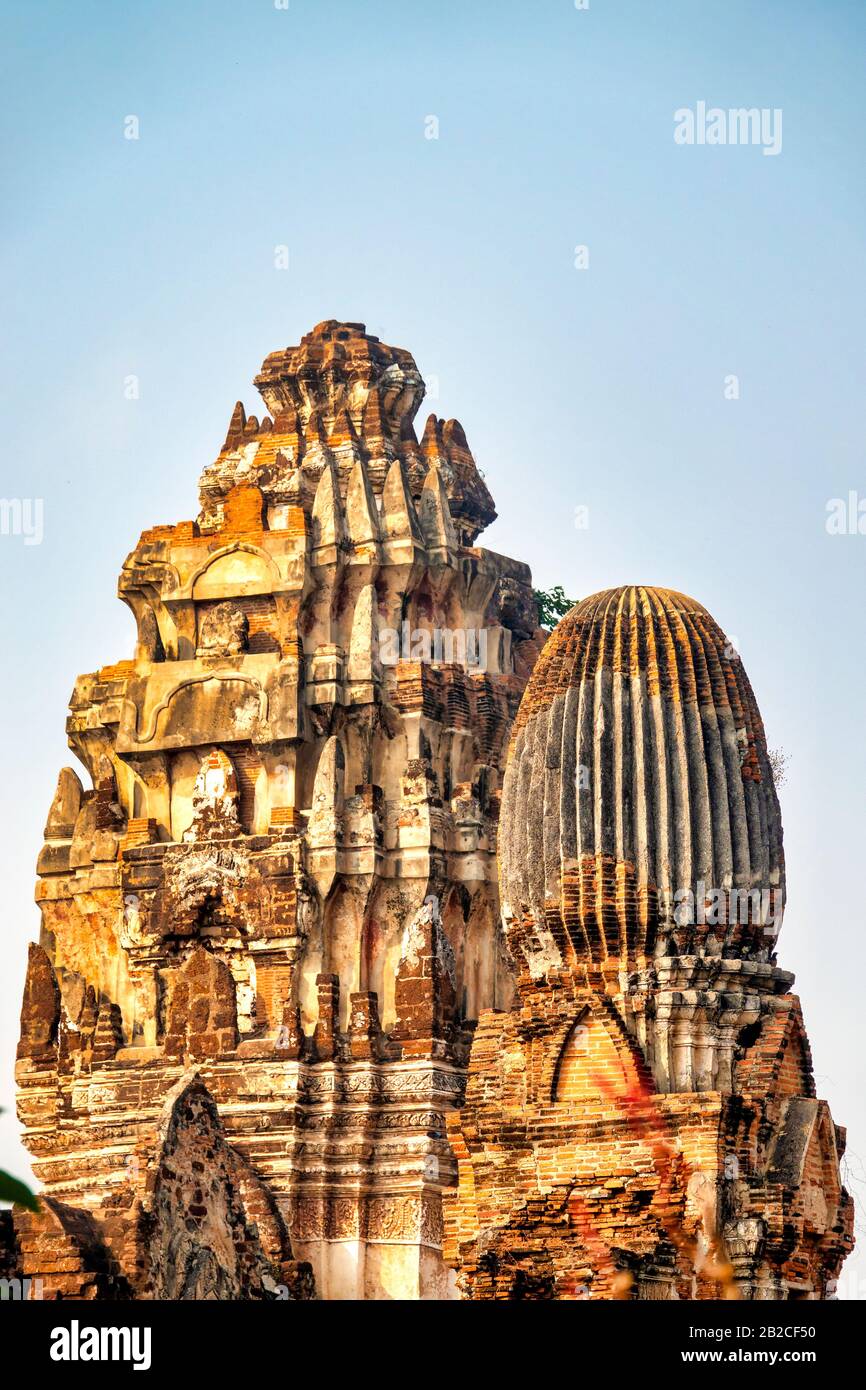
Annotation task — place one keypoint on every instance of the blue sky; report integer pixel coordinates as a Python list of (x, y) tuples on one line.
[(601, 387)]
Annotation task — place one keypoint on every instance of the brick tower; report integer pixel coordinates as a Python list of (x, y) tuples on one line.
[(269, 925), (643, 1123)]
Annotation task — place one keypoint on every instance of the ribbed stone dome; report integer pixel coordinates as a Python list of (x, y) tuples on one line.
[(639, 792)]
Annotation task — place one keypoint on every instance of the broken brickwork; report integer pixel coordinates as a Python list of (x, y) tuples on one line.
[(269, 927), (643, 1123)]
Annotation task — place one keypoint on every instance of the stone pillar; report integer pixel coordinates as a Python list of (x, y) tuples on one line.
[(424, 995), (328, 1022)]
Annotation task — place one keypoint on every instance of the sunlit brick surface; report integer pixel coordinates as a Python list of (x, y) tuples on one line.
[(269, 927), (643, 1123)]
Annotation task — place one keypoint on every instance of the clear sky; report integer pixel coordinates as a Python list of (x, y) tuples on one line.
[(606, 387)]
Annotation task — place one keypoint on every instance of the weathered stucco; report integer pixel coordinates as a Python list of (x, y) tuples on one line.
[(643, 1122), (280, 894), (271, 966)]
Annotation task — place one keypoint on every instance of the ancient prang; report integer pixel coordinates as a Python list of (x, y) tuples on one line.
[(280, 1038), (269, 926), (643, 1122)]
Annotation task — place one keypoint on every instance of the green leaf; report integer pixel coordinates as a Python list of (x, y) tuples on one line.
[(552, 605), (12, 1190)]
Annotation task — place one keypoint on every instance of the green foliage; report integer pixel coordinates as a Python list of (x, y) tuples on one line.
[(552, 605), (12, 1190), (779, 760)]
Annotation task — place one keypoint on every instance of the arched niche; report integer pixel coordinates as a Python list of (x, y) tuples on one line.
[(233, 574), (380, 950), (184, 768), (308, 760), (310, 966), (459, 758), (390, 756), (356, 741), (589, 1066), (343, 927), (453, 912), (482, 962)]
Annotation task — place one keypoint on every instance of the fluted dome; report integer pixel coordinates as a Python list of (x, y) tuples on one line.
[(639, 812)]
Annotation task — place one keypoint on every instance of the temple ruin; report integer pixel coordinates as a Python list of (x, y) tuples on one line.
[(643, 1122), (269, 926), (280, 1037)]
